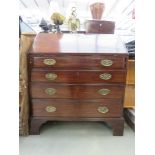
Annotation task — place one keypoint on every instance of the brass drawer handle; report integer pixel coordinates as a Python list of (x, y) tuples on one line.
[(104, 91), (50, 91), (103, 109), (106, 62), (51, 76), (49, 62), (50, 109), (105, 76)]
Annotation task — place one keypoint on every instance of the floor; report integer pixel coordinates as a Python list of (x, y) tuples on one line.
[(78, 138)]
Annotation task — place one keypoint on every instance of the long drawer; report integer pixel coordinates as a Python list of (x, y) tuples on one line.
[(76, 108), (83, 62), (48, 90), (78, 76)]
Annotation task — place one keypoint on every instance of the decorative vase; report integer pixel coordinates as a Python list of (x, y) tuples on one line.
[(97, 10)]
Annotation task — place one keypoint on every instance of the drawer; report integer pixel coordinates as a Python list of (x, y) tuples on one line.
[(78, 76), (80, 62), (75, 108), (48, 90)]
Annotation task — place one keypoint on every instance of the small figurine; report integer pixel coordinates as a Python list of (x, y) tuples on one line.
[(73, 21), (43, 25)]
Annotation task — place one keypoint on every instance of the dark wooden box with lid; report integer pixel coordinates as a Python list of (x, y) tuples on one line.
[(77, 77)]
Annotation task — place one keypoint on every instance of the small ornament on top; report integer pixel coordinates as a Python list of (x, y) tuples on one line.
[(73, 21)]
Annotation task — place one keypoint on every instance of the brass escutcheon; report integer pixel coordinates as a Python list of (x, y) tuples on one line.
[(49, 62), (105, 76), (103, 109), (50, 91), (50, 109), (104, 91), (51, 76), (106, 62)]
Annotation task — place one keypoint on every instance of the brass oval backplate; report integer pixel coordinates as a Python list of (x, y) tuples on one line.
[(105, 76), (51, 76), (106, 62), (49, 62), (103, 109), (104, 91), (50, 91), (50, 109)]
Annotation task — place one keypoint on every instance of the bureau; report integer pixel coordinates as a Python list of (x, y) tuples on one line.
[(77, 77)]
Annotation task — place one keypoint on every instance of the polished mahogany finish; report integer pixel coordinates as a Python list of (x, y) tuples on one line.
[(77, 77), (78, 44), (100, 26), (81, 76), (76, 108), (83, 91), (82, 62)]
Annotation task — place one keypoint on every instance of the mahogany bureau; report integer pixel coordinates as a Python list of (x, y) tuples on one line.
[(77, 77)]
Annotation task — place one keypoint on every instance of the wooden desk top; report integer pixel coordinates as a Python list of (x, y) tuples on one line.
[(48, 43)]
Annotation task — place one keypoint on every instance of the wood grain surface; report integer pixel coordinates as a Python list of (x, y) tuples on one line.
[(76, 91), (76, 108), (78, 43), (78, 76), (80, 61)]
